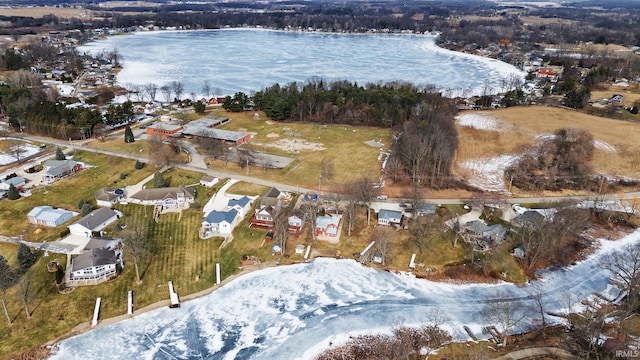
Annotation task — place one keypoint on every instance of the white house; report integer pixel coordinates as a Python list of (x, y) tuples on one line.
[(208, 181), (295, 222), (241, 205), (179, 197), (218, 223), (48, 216), (389, 217), (17, 181), (108, 197), (94, 221), (93, 266)]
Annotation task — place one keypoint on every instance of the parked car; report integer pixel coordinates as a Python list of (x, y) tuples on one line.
[(382, 197)]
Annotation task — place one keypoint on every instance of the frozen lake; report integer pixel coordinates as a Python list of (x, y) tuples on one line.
[(249, 60), (295, 311)]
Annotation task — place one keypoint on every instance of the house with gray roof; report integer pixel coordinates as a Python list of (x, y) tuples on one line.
[(108, 197), (49, 216), (95, 221), (54, 170), (389, 217), (489, 234), (179, 197), (93, 267), (218, 223)]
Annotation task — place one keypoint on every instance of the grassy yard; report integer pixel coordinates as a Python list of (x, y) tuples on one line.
[(103, 171), (342, 144)]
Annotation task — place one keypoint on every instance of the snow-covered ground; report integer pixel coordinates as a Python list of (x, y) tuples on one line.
[(296, 311), (478, 121), (27, 150), (488, 173)]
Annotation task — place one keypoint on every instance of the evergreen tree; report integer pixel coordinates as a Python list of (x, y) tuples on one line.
[(158, 180), (25, 257), (80, 203), (86, 209), (128, 135), (139, 164), (13, 193), (199, 107), (60, 155)]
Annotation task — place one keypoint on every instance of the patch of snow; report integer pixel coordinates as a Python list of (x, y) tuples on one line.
[(604, 146), (488, 173), (27, 150), (478, 121)]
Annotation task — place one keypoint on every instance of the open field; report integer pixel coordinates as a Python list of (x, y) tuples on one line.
[(343, 144), (631, 94), (518, 129)]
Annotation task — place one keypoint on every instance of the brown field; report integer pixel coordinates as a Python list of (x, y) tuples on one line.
[(631, 94), (41, 11), (520, 126)]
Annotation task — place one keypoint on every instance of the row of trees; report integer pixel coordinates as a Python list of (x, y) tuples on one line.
[(562, 162)]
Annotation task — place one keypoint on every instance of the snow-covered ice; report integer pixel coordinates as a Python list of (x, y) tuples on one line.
[(298, 309), (251, 62)]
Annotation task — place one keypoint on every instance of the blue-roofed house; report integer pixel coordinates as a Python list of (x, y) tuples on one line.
[(389, 217), (49, 216), (218, 223), (17, 181), (241, 205)]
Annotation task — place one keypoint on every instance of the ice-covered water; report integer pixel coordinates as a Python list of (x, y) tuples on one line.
[(249, 60), (293, 312)]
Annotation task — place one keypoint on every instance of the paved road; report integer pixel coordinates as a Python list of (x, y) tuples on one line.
[(200, 167)]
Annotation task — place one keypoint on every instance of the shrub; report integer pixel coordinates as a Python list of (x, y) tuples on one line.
[(139, 164), (123, 176)]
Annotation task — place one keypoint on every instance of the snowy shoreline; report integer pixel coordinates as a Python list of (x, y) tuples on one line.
[(321, 302)]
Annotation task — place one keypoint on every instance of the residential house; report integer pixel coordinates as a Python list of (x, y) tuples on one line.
[(208, 181), (264, 218), (92, 267), (95, 221), (241, 205), (489, 234), (425, 209), (271, 198), (296, 222), (54, 170), (218, 223), (107, 197), (529, 219), (178, 197), (17, 181), (49, 216), (328, 225), (389, 217)]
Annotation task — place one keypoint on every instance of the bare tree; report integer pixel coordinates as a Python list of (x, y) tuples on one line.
[(7, 279), (280, 232), (18, 148), (160, 153), (206, 89), (506, 312), (138, 90), (539, 306), (138, 245), (166, 92), (624, 266), (366, 191), (383, 237), (178, 89), (100, 131), (26, 293), (151, 89), (310, 208), (326, 168)]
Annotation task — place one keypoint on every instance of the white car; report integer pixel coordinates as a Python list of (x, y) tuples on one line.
[(382, 197)]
